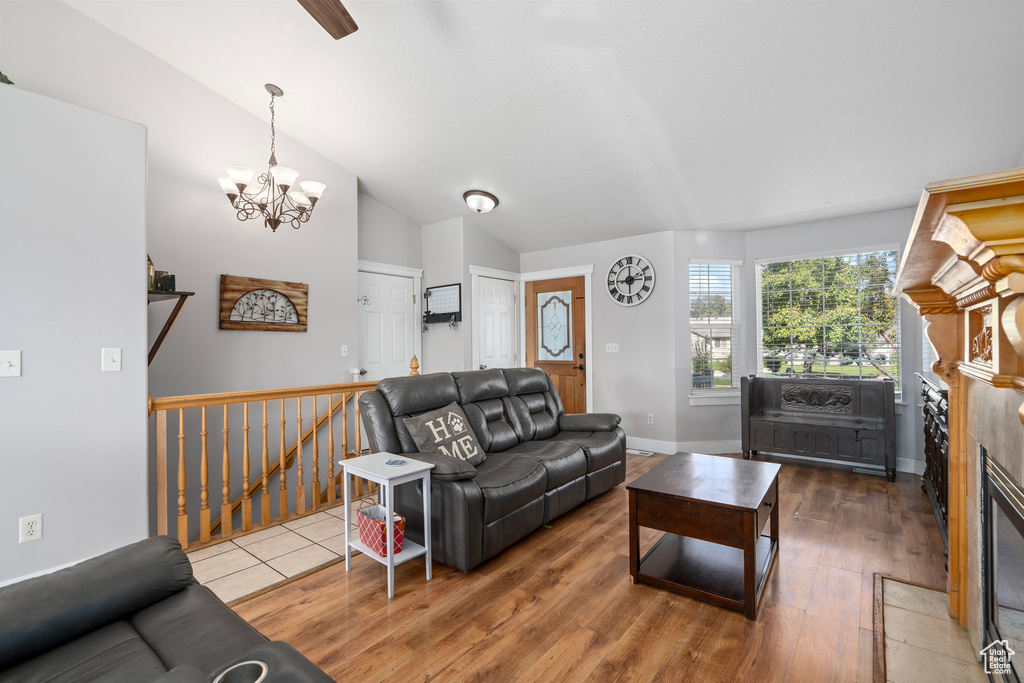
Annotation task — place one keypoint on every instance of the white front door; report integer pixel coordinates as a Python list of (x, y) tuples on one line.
[(497, 323), (387, 325)]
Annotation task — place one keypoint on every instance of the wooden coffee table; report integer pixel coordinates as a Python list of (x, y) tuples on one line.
[(713, 510)]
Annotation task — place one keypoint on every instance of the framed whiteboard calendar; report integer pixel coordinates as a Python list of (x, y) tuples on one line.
[(442, 303)]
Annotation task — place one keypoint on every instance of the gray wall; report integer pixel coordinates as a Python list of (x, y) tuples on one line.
[(651, 372), (702, 428), (72, 439), (849, 234), (640, 378), (480, 249), (386, 236), (443, 348), (192, 231)]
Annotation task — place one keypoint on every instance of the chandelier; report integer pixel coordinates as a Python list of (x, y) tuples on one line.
[(275, 200)]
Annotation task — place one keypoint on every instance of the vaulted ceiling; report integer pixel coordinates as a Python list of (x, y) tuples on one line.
[(596, 120)]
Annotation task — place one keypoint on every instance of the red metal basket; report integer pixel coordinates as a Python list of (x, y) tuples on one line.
[(373, 532)]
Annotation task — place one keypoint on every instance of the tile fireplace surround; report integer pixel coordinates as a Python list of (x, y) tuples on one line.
[(964, 270)]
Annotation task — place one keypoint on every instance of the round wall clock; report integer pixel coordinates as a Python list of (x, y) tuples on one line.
[(630, 280)]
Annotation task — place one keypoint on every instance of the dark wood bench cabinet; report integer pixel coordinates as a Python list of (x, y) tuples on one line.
[(846, 420)]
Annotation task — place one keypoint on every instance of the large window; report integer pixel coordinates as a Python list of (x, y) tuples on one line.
[(833, 316), (714, 333)]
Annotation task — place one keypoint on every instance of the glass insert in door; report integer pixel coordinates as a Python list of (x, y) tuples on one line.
[(554, 326)]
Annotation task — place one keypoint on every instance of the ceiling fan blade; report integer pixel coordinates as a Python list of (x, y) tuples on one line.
[(332, 15)]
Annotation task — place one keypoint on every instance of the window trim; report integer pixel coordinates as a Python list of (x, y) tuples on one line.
[(723, 395), (758, 333)]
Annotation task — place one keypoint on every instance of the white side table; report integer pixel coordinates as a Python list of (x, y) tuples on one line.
[(372, 468)]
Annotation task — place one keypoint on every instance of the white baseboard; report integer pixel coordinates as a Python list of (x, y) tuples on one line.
[(911, 465), (42, 572), (651, 445), (709, 447)]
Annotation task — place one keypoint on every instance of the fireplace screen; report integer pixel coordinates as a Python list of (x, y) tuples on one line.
[(1004, 564)]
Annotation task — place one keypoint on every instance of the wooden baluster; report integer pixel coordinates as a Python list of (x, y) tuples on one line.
[(359, 450), (225, 503), (316, 459), (161, 472), (246, 498), (182, 512), (300, 487), (344, 427), (282, 504), (265, 497), (414, 367), (204, 487), (331, 483)]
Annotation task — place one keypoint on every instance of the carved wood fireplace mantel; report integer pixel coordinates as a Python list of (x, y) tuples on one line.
[(964, 270)]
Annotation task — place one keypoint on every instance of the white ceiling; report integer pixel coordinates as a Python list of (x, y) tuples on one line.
[(596, 120)]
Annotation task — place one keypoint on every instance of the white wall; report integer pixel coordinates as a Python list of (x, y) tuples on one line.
[(72, 439), (386, 236), (443, 347), (855, 233), (52, 49), (640, 378)]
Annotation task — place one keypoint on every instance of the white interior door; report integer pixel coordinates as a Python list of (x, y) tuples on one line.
[(387, 325), (497, 323)]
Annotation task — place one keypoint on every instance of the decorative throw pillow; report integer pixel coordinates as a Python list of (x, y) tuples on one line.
[(446, 431)]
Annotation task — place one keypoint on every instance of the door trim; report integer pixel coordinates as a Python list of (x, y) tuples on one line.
[(587, 271), (417, 287), (475, 273)]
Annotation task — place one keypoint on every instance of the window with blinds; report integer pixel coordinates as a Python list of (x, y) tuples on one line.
[(714, 327), (833, 316)]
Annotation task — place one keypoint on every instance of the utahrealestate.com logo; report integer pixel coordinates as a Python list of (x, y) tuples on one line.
[(997, 658)]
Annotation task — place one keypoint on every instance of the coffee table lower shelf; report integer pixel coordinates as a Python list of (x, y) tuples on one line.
[(409, 551), (703, 570)]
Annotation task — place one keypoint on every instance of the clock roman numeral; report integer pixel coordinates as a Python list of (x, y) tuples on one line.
[(619, 296), (647, 278), (629, 299), (629, 259), (645, 288)]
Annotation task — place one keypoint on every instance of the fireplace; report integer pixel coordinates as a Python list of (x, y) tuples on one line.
[(1003, 562)]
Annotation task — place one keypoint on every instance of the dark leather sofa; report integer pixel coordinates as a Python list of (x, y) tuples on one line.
[(540, 462), (133, 614)]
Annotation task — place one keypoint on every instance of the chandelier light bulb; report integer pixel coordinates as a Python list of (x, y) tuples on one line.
[(480, 201), (241, 176), (229, 187), (312, 189), (301, 200), (284, 177)]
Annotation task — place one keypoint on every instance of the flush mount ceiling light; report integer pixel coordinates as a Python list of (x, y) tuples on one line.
[(272, 201), (480, 201)]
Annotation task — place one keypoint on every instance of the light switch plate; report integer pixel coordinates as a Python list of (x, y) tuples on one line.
[(611, 348), (111, 361), (344, 351), (10, 363)]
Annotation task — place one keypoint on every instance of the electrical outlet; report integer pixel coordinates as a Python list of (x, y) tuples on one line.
[(344, 351), (611, 348), (10, 363), (650, 418), (30, 528)]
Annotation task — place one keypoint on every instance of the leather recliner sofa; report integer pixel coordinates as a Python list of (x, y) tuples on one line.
[(540, 463), (132, 614)]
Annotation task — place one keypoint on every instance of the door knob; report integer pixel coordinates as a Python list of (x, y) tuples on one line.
[(483, 367), (362, 371), (578, 367)]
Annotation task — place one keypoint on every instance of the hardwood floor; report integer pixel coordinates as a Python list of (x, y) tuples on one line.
[(559, 606)]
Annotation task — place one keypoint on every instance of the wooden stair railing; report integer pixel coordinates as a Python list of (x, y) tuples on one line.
[(321, 493), (326, 496)]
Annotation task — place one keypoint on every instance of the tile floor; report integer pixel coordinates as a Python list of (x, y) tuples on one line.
[(922, 642), (244, 565)]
